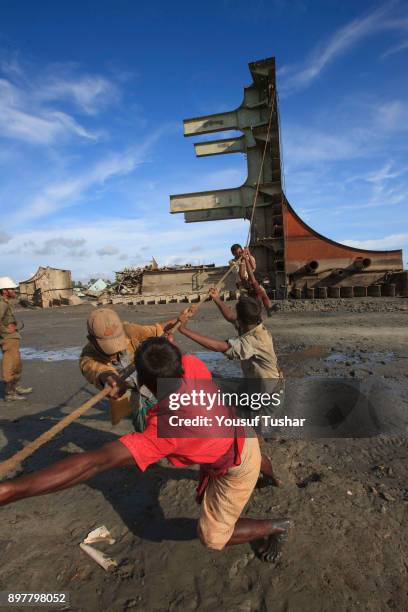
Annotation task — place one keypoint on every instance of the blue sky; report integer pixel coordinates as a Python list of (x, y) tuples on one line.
[(92, 98)]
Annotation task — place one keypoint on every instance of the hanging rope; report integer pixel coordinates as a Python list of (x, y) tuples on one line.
[(282, 157), (260, 172)]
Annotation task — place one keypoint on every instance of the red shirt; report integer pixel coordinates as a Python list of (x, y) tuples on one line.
[(147, 448)]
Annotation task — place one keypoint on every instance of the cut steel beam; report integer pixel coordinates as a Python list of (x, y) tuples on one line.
[(218, 147), (221, 214)]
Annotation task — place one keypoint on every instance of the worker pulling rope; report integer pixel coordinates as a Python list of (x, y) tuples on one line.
[(11, 463)]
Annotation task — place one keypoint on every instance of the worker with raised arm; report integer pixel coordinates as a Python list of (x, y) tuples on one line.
[(10, 343), (254, 345), (246, 282), (229, 464), (253, 348), (240, 268), (111, 348)]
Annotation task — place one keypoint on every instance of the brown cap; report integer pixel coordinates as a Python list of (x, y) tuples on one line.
[(107, 329)]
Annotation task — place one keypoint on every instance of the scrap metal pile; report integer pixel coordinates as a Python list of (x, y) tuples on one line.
[(128, 280), (157, 285)]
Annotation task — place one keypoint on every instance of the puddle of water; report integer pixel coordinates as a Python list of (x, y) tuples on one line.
[(379, 358), (220, 365), (69, 353), (311, 352), (216, 362)]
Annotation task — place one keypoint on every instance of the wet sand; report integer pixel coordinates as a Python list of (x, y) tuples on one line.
[(348, 498)]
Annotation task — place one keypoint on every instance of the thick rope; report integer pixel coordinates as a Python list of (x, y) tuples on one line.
[(15, 460), (282, 156), (260, 175), (196, 306)]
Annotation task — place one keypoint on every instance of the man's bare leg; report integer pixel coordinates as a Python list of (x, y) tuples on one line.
[(66, 473), (80, 467), (273, 532)]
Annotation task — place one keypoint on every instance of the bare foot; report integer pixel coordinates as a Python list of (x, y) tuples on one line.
[(270, 550)]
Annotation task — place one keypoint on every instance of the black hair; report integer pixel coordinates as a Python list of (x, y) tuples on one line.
[(235, 247), (157, 358), (249, 310)]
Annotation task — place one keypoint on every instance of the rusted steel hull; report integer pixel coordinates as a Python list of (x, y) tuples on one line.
[(338, 264)]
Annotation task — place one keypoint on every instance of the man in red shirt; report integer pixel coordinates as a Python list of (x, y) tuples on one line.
[(229, 464)]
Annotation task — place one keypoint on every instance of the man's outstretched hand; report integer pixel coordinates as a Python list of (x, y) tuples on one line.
[(186, 314), (116, 384), (214, 293)]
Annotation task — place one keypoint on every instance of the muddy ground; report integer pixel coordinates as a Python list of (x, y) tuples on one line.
[(348, 549)]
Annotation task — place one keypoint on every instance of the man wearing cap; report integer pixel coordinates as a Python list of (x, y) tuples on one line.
[(10, 343), (111, 347)]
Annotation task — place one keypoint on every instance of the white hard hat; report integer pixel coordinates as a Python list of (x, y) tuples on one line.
[(7, 283)]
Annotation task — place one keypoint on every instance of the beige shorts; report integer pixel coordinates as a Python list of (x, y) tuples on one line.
[(226, 497)]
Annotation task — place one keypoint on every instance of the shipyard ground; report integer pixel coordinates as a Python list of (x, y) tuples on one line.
[(348, 549)]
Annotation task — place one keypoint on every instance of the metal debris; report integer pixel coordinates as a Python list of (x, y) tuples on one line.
[(100, 534), (105, 562)]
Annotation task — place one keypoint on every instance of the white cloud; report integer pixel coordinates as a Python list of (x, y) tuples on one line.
[(71, 247), (20, 120), (89, 92), (393, 241), (380, 176), (392, 115), (385, 188), (396, 49), (170, 241), (72, 189), (107, 251), (361, 131), (383, 174), (294, 78), (69, 192), (30, 107), (307, 146), (4, 237)]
